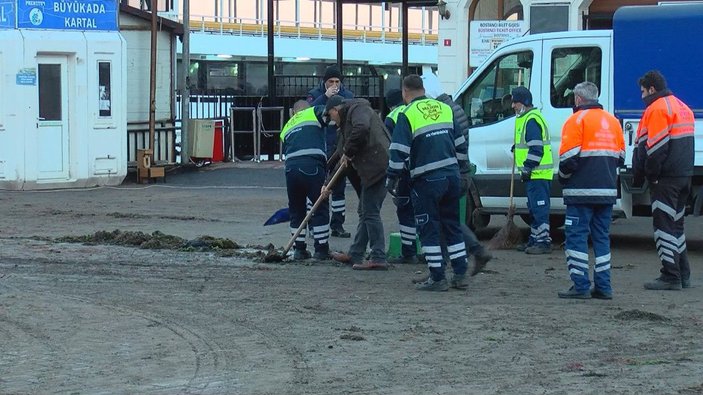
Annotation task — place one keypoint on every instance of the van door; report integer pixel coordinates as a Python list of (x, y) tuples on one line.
[(569, 62), (52, 120), (487, 102)]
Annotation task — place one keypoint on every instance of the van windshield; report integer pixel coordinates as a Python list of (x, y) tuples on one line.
[(488, 100)]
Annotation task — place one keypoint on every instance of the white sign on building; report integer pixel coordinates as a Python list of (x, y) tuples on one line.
[(486, 36)]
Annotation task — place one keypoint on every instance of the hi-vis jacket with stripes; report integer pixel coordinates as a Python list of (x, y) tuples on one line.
[(303, 136), (592, 148), (392, 117), (665, 140), (426, 133)]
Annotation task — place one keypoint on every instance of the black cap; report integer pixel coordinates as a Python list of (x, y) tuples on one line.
[(333, 101), (394, 97), (331, 72), (522, 95)]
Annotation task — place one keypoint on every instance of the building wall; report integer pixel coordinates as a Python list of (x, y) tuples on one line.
[(81, 147), (137, 34)]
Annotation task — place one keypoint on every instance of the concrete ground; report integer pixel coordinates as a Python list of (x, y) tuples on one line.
[(83, 319)]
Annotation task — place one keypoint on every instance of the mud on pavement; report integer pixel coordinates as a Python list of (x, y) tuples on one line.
[(82, 316)]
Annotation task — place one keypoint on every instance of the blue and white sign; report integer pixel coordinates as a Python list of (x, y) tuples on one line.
[(26, 76), (67, 14), (7, 14)]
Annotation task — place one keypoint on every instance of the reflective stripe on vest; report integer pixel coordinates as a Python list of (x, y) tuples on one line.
[(393, 115), (300, 119), (545, 169)]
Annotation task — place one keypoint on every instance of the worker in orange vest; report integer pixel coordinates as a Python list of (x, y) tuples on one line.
[(664, 156), (592, 148)]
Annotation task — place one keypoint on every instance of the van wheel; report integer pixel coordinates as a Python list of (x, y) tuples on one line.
[(474, 219)]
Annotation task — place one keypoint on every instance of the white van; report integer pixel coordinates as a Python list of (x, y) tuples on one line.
[(550, 65)]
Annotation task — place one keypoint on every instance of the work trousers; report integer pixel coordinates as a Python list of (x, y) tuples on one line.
[(369, 231), (436, 205), (406, 216), (304, 182), (538, 192), (338, 204), (669, 198), (582, 220)]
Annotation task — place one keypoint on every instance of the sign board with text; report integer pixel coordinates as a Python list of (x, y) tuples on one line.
[(486, 36), (84, 15), (7, 14)]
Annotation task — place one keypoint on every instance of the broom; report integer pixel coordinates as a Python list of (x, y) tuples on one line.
[(276, 256), (508, 236)]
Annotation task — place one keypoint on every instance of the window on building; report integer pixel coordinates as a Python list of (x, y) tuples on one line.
[(488, 100), (104, 89), (50, 92), (549, 18), (570, 66)]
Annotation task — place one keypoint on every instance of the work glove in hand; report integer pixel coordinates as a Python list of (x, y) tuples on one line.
[(525, 175), (392, 185)]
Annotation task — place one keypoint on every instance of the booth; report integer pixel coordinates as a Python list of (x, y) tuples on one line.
[(63, 104)]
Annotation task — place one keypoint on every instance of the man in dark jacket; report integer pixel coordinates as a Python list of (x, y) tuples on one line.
[(428, 141), (363, 142), (331, 85), (303, 140), (665, 156)]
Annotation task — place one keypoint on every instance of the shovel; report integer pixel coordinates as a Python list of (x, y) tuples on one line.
[(275, 256)]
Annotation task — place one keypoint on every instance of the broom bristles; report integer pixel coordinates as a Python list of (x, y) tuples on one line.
[(508, 237)]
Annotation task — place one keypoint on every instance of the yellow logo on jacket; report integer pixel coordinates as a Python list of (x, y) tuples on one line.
[(430, 109)]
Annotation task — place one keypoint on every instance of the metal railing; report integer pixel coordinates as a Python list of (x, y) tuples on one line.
[(165, 134), (262, 117)]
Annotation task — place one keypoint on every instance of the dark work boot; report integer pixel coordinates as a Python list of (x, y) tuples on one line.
[(480, 262), (572, 293), (685, 283), (435, 286), (661, 285), (539, 249), (322, 253), (598, 294), (341, 233), (459, 281), (300, 254)]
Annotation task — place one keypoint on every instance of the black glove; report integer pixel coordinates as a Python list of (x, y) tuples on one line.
[(525, 175), (464, 184), (512, 149), (392, 185)]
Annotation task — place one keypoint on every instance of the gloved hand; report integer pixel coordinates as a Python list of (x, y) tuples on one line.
[(392, 185), (525, 175), (512, 149), (464, 184), (472, 169)]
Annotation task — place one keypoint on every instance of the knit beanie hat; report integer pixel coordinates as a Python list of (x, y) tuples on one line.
[(331, 72), (394, 97)]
